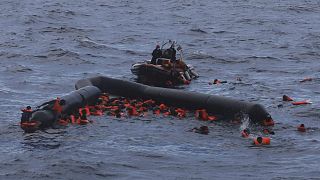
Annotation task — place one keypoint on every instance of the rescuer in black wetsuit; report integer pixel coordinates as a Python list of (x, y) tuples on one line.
[(157, 53), (173, 54)]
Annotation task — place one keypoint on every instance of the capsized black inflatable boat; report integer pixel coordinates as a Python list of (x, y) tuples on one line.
[(214, 104), (88, 91), (44, 117)]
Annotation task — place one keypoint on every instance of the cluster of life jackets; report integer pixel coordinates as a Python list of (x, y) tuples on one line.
[(125, 107), (121, 107), (117, 107)]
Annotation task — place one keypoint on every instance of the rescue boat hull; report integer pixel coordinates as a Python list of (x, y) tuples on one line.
[(156, 74)]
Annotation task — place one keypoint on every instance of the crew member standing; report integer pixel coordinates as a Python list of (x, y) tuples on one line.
[(173, 54), (157, 53)]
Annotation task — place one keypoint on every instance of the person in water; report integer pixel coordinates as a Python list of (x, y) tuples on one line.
[(202, 130), (157, 53), (55, 106), (26, 114)]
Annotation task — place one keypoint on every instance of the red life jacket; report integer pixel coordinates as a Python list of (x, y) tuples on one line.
[(156, 112), (244, 134), (132, 111)]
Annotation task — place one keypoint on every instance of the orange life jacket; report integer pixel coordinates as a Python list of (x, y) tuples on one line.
[(301, 128), (86, 109), (57, 107), (97, 113), (149, 102), (116, 101), (180, 113), (163, 107), (104, 98), (30, 124), (202, 114), (73, 119), (132, 111), (83, 121), (216, 81), (156, 112), (167, 113), (301, 102), (212, 118), (265, 141), (142, 109), (268, 122), (100, 107), (63, 122), (26, 110), (255, 142)]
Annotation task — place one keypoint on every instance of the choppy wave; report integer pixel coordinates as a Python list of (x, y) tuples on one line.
[(18, 68), (46, 47), (198, 30)]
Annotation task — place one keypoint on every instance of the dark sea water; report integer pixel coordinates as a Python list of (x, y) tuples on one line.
[(46, 46)]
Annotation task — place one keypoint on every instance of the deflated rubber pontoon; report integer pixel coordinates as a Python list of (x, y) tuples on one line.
[(89, 90), (192, 100), (73, 101)]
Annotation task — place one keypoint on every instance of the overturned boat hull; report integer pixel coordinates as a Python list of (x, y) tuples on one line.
[(192, 100), (89, 90)]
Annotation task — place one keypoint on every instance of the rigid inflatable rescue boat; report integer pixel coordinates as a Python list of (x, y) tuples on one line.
[(164, 69)]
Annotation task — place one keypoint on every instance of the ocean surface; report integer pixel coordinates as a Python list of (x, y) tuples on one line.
[(46, 46)]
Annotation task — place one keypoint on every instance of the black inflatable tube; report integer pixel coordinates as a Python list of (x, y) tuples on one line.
[(215, 104), (73, 101)]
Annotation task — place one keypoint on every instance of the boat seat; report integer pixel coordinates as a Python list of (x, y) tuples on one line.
[(162, 61)]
